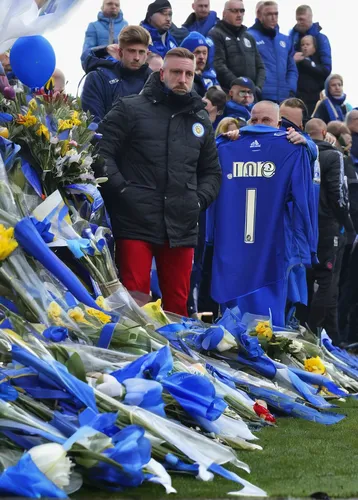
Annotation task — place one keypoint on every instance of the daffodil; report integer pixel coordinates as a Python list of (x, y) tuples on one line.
[(43, 131), (52, 460), (7, 242), (264, 329), (315, 365), (154, 311), (101, 316), (101, 302), (27, 120), (4, 132)]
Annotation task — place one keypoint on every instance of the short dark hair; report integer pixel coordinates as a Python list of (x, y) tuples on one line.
[(134, 34), (180, 52), (217, 97), (302, 9), (294, 102)]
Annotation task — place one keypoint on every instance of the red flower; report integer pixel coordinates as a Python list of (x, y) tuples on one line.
[(263, 412)]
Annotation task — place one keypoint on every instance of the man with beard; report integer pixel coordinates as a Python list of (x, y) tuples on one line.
[(205, 77), (163, 169)]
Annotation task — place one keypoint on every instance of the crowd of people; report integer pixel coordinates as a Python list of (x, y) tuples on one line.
[(162, 94)]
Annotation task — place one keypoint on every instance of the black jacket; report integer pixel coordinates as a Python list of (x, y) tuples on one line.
[(311, 77), (333, 211), (160, 148), (236, 55)]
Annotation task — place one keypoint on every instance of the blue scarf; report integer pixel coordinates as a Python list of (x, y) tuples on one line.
[(335, 108)]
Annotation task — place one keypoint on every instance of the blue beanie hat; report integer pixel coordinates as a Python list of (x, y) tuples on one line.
[(193, 41)]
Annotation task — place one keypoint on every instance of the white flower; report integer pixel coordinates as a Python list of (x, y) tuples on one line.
[(110, 386), (54, 140), (161, 475), (295, 346), (227, 342), (52, 460)]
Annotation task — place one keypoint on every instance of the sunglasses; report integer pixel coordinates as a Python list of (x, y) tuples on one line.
[(236, 11)]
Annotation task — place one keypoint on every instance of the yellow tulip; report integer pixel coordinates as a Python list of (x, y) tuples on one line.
[(154, 311), (4, 132), (7, 242), (32, 105), (315, 365), (54, 312), (78, 315), (43, 131)]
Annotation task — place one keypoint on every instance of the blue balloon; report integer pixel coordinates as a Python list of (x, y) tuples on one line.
[(33, 60)]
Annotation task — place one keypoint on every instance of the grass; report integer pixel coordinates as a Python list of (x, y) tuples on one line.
[(299, 458)]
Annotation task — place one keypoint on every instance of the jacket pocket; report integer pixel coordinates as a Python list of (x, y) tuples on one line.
[(191, 186)]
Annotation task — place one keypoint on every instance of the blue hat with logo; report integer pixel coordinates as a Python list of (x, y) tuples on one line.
[(245, 82), (193, 41)]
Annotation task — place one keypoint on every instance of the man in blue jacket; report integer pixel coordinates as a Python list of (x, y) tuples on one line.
[(242, 95), (158, 21), (106, 30), (110, 78), (277, 54), (202, 19), (205, 76), (305, 26)]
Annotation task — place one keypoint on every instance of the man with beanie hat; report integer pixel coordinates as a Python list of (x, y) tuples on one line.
[(158, 21), (236, 53), (205, 77), (202, 19), (242, 94)]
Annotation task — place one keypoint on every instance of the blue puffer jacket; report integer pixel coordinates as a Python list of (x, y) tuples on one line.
[(204, 25), (277, 54), (323, 45), (107, 80), (97, 33), (158, 46)]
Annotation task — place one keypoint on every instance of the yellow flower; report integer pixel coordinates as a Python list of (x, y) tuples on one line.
[(64, 125), (315, 365), (27, 120), (4, 132), (101, 302), (154, 311), (101, 316), (266, 333), (43, 131), (261, 326), (75, 118), (33, 105), (78, 315), (54, 312), (7, 242)]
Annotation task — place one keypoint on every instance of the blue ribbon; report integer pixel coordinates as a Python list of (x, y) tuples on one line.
[(43, 227), (106, 335)]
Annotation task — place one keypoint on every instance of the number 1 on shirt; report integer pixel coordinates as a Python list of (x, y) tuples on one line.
[(250, 216)]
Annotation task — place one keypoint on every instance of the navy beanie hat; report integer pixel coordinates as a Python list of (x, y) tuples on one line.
[(155, 7)]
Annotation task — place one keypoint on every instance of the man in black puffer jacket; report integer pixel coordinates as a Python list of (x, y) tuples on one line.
[(333, 218), (236, 53), (163, 170)]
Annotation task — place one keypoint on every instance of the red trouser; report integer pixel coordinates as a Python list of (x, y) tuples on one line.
[(134, 259)]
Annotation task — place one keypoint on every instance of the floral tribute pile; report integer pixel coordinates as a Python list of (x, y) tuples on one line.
[(95, 390)]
